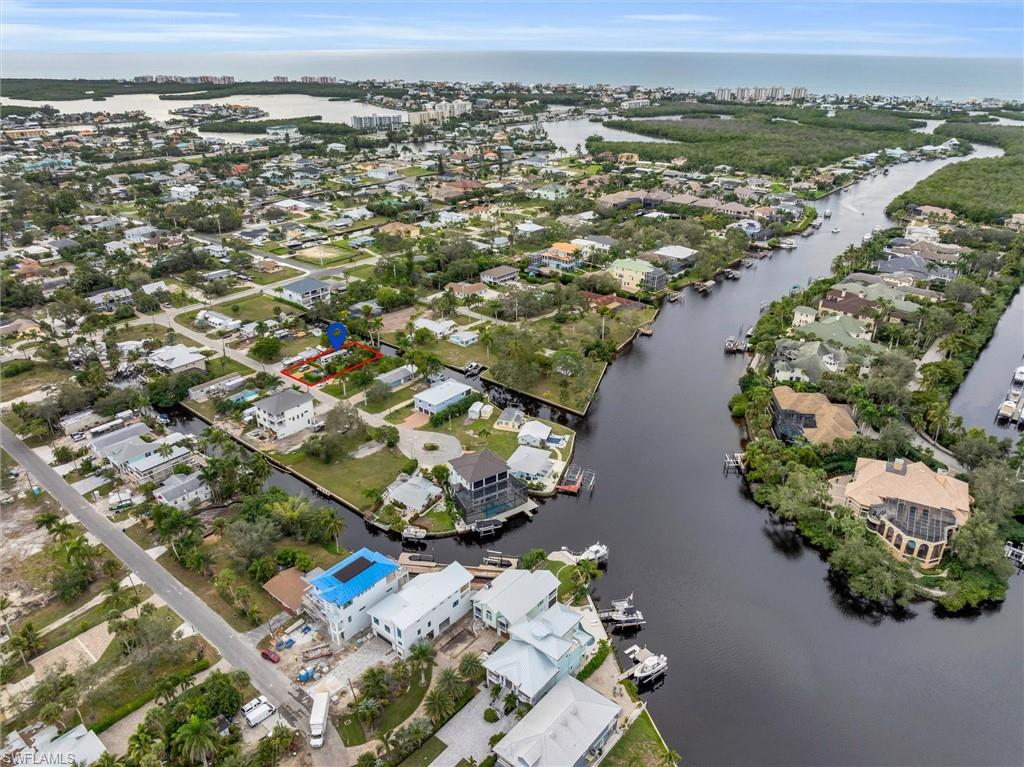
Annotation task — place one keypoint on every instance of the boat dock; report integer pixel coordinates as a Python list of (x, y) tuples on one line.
[(623, 614), (417, 564), (576, 480), (1011, 410), (735, 463), (735, 345), (647, 667)]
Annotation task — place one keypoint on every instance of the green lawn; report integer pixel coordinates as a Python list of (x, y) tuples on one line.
[(219, 366), (566, 575), (337, 252), (438, 521), (293, 346), (350, 478), (403, 706), (269, 278), (415, 170), (397, 396), (251, 309), (640, 746), (92, 617), (351, 730), (426, 754), (363, 272), (449, 353), (152, 330)]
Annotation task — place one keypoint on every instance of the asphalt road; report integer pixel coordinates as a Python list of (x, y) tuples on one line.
[(232, 646)]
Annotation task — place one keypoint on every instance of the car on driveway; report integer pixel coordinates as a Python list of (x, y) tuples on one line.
[(272, 656)]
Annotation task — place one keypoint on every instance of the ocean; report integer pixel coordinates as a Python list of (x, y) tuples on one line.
[(942, 78)]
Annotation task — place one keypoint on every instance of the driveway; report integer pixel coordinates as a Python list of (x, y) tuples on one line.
[(468, 735), (351, 666), (412, 442)]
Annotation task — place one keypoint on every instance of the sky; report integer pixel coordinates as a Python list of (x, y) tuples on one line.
[(946, 28)]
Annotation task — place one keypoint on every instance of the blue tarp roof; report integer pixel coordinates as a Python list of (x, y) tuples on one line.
[(353, 575)]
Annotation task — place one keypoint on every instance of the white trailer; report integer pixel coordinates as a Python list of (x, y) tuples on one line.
[(318, 719)]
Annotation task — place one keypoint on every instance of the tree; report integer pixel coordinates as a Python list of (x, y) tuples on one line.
[(367, 709), (450, 684), (374, 682), (334, 526), (567, 362), (196, 739), (143, 743), (266, 349), (532, 558), (421, 655), (470, 667), (439, 706)]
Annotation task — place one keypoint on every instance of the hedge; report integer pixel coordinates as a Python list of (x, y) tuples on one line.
[(603, 648), (135, 704), (460, 408)]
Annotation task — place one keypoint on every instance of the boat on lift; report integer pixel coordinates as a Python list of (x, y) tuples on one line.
[(787, 244), (649, 666), (827, 213), (623, 614), (597, 552), (835, 230), (413, 533), (1018, 375)]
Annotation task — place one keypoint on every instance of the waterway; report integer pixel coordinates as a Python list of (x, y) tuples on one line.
[(770, 662)]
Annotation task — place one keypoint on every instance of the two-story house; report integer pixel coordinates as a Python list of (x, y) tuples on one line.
[(514, 596), (285, 413)]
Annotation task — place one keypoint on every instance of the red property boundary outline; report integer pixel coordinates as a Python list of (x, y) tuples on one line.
[(375, 355)]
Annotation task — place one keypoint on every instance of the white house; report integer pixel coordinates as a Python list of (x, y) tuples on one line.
[(530, 464), (510, 419), (176, 358), (415, 494), (217, 321), (77, 746), (440, 328), (566, 728), (514, 596), (183, 193), (464, 338), (183, 490), (306, 291), (440, 396), (423, 609), (342, 595), (534, 434), (285, 412), (383, 173)]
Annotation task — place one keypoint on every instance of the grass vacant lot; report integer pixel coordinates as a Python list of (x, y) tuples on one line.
[(152, 330), (396, 397), (268, 278), (437, 521), (94, 616), (338, 252), (250, 309), (41, 374), (427, 753), (481, 434), (565, 574), (219, 366), (351, 478), (640, 746)]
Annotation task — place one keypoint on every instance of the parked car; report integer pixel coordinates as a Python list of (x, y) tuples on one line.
[(272, 656)]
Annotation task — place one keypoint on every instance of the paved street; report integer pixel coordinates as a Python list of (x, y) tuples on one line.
[(233, 647)]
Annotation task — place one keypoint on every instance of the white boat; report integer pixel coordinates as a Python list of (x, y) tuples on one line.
[(828, 213), (787, 244), (866, 237), (623, 614), (598, 553), (1018, 375), (877, 229), (835, 230), (648, 665), (414, 533)]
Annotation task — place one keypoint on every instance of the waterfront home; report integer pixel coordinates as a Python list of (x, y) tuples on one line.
[(423, 609), (804, 315), (568, 727), (395, 379), (510, 419), (441, 395), (484, 487), (530, 464), (183, 491), (805, 360), (513, 597), (534, 434), (914, 510), (594, 243), (414, 494), (916, 267), (342, 595), (176, 358), (464, 338), (811, 416), (284, 413), (635, 275), (306, 292), (157, 462), (499, 275), (109, 300), (841, 330), (438, 328), (539, 653)]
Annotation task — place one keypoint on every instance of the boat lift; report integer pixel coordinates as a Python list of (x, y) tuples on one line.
[(576, 480)]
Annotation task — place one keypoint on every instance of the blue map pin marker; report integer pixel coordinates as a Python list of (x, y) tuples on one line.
[(336, 333)]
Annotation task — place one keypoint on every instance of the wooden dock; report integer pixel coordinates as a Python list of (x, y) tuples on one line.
[(735, 464), (484, 572)]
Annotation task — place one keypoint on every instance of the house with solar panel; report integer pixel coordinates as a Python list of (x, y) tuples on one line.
[(342, 595)]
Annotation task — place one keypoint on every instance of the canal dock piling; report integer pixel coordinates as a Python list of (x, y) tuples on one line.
[(735, 463)]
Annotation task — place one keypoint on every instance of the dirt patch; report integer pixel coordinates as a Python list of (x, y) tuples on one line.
[(395, 321), (416, 420)]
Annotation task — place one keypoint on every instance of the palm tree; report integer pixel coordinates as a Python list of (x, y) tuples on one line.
[(166, 688), (418, 730), (421, 655), (586, 571), (374, 682), (334, 526), (196, 740), (28, 639), (470, 666), (107, 759), (367, 709), (438, 705), (5, 603), (141, 743), (451, 684), (670, 758), (390, 742)]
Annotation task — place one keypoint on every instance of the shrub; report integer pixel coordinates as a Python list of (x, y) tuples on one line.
[(16, 368), (495, 738), (490, 715), (603, 648)]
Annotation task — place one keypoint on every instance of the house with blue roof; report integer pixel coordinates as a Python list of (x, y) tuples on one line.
[(342, 595)]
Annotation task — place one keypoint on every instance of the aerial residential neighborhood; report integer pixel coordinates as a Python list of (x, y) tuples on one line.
[(361, 413)]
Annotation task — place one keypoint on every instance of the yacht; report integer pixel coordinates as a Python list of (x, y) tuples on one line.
[(648, 665), (411, 532), (598, 553), (623, 614), (787, 244), (835, 230), (827, 213), (1018, 375)]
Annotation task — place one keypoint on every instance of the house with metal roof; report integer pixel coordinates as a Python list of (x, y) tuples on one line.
[(182, 491), (414, 494), (441, 395), (539, 653), (567, 728), (423, 609), (306, 291), (285, 413), (400, 376), (341, 595), (514, 596)]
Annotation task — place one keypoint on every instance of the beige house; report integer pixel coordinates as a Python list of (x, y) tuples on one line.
[(810, 415), (914, 510)]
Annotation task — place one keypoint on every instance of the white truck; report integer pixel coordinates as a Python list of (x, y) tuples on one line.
[(318, 719), (259, 714)]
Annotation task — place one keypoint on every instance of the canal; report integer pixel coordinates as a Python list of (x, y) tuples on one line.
[(770, 662)]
